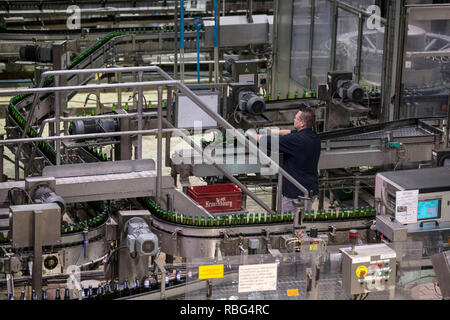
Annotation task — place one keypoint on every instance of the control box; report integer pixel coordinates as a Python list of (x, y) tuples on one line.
[(369, 268)]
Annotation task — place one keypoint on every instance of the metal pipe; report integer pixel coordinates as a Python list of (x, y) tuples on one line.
[(146, 84), (359, 48), (216, 42), (311, 42), (159, 146), (279, 193), (83, 136), (139, 120), (57, 131), (175, 64), (334, 36), (182, 40), (346, 7)]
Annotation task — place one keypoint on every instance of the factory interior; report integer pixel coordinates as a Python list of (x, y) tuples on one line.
[(133, 167)]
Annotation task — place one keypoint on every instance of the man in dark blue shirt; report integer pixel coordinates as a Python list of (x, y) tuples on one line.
[(301, 152)]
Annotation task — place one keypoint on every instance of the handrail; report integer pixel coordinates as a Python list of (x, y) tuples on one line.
[(253, 149)]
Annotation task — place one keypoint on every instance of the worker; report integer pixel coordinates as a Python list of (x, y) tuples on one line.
[(300, 150)]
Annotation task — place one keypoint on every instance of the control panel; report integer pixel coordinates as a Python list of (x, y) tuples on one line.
[(369, 268)]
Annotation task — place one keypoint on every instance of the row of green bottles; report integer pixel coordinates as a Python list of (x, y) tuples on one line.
[(306, 94), (91, 223), (341, 214), (243, 219)]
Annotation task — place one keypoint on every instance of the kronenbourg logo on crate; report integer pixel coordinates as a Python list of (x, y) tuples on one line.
[(220, 202)]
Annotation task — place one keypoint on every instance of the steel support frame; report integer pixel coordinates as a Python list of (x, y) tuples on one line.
[(252, 147)]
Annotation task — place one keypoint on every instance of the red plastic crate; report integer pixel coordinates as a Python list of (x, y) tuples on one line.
[(217, 198)]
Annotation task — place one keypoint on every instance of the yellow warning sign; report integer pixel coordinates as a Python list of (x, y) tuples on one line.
[(210, 272), (246, 70), (292, 293), (361, 271)]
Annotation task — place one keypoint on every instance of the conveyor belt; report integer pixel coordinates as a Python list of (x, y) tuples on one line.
[(414, 127), (407, 132)]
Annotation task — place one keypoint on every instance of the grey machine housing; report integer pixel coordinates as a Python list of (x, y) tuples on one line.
[(139, 237)]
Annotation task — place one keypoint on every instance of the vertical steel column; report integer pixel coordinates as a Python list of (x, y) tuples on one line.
[(57, 123), (119, 91), (2, 148), (216, 42), (356, 194), (387, 68), (447, 127), (311, 43), (182, 40), (279, 193), (334, 36), (175, 65), (139, 137), (399, 54), (357, 70), (159, 146), (37, 253), (168, 161)]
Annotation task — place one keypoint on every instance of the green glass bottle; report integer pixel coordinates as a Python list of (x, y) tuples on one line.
[(126, 106), (196, 221), (233, 219), (274, 218), (239, 219), (346, 216), (215, 221), (297, 95), (357, 216), (202, 222), (373, 213), (190, 222), (285, 217), (279, 217), (351, 214), (290, 216)]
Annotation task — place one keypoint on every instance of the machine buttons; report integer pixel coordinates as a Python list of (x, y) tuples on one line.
[(361, 271)]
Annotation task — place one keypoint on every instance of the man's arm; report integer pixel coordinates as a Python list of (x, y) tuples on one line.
[(281, 133)]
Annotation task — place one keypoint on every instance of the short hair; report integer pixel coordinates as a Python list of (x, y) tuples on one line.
[(308, 116)]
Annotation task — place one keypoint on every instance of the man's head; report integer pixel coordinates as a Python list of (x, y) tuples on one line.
[(305, 118)]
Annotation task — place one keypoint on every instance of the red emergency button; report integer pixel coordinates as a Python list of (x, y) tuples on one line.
[(380, 264)]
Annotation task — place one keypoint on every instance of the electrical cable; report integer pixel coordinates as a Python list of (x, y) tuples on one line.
[(82, 250)]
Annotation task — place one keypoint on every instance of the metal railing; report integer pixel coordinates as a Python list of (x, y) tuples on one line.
[(159, 85)]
